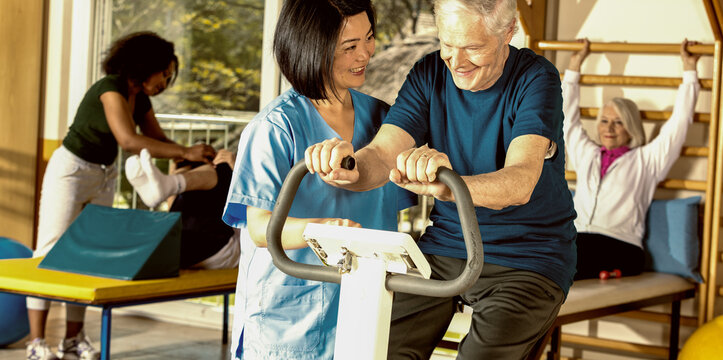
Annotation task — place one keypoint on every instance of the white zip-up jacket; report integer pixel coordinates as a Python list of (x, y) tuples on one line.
[(617, 205)]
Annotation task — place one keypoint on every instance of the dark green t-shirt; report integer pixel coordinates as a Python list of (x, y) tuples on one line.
[(89, 137)]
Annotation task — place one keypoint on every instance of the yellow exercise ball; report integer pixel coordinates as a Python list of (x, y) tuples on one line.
[(706, 343)]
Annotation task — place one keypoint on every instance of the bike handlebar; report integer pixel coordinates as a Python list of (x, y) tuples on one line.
[(394, 282)]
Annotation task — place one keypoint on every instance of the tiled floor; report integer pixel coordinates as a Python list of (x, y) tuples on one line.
[(137, 337), (162, 331)]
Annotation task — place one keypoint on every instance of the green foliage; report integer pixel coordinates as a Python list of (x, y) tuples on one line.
[(398, 18), (219, 46)]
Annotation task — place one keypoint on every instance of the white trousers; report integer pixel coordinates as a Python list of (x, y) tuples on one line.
[(69, 184)]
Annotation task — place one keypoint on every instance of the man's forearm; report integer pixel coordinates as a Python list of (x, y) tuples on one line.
[(503, 188)]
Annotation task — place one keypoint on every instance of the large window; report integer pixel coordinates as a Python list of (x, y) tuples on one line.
[(218, 43), (219, 81)]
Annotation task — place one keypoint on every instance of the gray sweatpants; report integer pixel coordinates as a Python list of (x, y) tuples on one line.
[(512, 310)]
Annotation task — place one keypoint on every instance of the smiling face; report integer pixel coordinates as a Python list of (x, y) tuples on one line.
[(354, 48), (159, 81), (475, 58), (611, 130)]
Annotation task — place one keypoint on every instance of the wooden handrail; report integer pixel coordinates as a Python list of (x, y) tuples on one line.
[(642, 48), (658, 351), (694, 151), (671, 184), (700, 151), (591, 112), (663, 318), (624, 80)]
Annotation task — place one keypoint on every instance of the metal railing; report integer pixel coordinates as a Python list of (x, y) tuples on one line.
[(215, 130)]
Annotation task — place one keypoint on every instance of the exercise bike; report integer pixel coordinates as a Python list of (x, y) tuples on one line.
[(371, 265)]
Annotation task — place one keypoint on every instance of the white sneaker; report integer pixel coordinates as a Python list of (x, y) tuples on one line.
[(77, 348), (38, 349)]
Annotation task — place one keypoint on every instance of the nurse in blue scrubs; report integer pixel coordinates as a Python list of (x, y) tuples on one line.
[(323, 48)]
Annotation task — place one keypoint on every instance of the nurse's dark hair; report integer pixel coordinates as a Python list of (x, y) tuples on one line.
[(139, 55), (305, 41)]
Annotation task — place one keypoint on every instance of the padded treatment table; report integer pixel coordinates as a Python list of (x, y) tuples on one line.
[(22, 276)]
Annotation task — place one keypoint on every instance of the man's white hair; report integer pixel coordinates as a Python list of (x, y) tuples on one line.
[(499, 15)]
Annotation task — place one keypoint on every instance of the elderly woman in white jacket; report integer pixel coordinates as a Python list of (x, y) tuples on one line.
[(617, 172)]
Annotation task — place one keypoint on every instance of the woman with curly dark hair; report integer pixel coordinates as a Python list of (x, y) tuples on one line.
[(82, 170)]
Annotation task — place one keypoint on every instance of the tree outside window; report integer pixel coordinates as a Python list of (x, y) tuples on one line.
[(219, 49)]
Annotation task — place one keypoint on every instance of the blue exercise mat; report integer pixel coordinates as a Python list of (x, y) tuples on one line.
[(119, 243)]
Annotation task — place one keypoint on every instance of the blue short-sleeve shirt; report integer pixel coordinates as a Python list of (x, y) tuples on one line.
[(475, 130), (278, 316)]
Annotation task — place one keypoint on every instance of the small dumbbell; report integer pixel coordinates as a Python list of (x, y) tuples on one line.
[(604, 275)]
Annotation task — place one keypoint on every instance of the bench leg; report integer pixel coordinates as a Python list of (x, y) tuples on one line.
[(555, 344), (674, 331), (539, 348), (105, 334), (224, 336)]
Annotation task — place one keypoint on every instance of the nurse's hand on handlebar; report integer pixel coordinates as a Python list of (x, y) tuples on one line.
[(325, 159), (416, 171), (340, 222)]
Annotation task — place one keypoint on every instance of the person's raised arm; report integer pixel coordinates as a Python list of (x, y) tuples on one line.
[(373, 162), (122, 126), (690, 60), (291, 235), (579, 56), (665, 149), (576, 139)]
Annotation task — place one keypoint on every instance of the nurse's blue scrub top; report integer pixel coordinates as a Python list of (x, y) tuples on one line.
[(278, 316)]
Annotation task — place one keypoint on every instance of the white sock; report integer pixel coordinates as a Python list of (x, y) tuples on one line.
[(152, 186), (134, 173)]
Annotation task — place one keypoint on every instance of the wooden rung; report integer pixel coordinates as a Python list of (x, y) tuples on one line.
[(720, 291), (705, 84), (590, 112), (701, 151), (682, 184), (672, 184), (642, 48), (616, 345), (658, 317)]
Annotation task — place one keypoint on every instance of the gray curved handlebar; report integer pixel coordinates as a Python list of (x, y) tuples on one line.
[(395, 282)]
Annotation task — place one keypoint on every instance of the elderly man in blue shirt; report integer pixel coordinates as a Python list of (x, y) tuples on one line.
[(492, 113)]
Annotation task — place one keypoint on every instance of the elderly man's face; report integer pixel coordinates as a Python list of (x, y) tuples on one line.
[(474, 57)]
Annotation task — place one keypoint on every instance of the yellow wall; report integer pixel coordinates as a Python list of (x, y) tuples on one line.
[(21, 31)]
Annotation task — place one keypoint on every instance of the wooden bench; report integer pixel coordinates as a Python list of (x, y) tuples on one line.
[(22, 276), (593, 298)]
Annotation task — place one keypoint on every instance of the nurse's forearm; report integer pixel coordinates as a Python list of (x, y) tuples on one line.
[(291, 235)]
